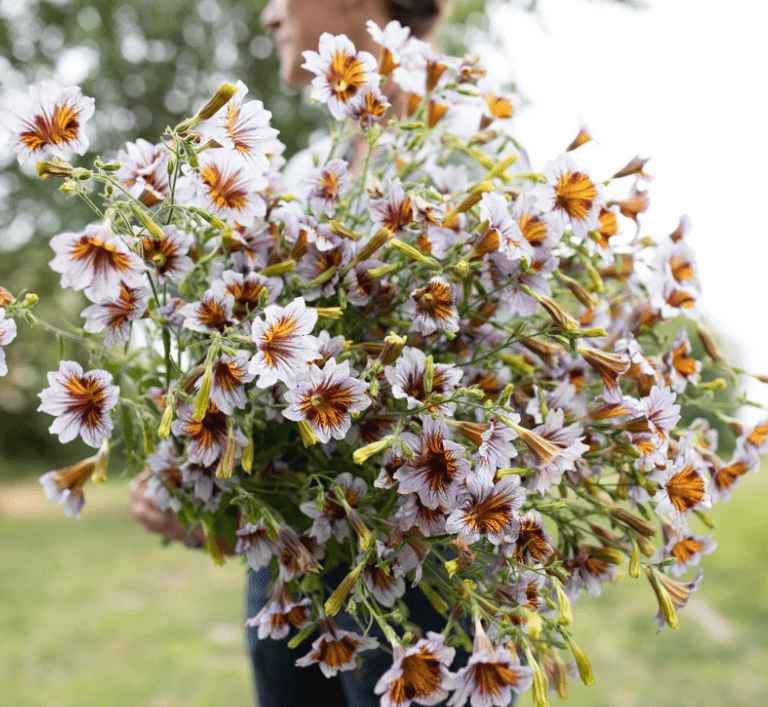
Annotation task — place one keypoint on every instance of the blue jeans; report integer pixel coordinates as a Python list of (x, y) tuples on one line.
[(279, 683)]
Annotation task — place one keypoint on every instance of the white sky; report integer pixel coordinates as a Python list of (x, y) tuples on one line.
[(681, 82)]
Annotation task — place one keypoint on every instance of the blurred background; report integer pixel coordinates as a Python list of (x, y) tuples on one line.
[(674, 80)]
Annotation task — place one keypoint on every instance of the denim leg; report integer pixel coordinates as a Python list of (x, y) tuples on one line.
[(277, 680)]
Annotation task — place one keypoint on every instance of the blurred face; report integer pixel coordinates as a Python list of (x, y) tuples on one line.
[(296, 26)]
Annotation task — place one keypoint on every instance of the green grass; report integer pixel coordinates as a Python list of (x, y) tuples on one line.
[(97, 612)]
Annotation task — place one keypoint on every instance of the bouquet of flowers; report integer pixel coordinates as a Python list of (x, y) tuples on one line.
[(423, 365)]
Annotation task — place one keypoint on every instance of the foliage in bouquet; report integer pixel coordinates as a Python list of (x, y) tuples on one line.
[(414, 361)]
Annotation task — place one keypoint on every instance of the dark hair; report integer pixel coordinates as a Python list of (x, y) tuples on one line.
[(420, 15)]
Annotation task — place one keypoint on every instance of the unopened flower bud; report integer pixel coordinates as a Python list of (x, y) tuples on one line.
[(340, 230), (665, 601), (411, 252), (329, 312), (217, 102), (334, 602), (539, 687), (164, 430), (582, 138), (204, 394), (637, 524), (566, 615), (5, 297), (246, 462), (577, 289), (364, 453), (226, 463), (308, 436), (582, 662), (634, 560), (279, 268)]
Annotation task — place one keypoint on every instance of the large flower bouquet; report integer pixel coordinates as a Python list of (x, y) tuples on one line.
[(416, 362)]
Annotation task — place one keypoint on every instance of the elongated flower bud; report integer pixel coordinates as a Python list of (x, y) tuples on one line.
[(643, 527), (146, 220), (334, 602), (665, 601), (364, 453), (539, 687), (411, 252), (582, 662), (204, 394), (214, 105), (393, 347), (226, 463), (634, 560), (308, 436), (566, 615), (279, 268)]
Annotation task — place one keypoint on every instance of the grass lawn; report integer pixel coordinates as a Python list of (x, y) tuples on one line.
[(96, 613)]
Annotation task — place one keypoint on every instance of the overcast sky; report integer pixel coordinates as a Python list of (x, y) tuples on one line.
[(681, 82)]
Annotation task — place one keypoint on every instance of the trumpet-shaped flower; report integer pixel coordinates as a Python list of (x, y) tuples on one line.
[(336, 649), (81, 402), (326, 398), (341, 72), (284, 345), (96, 259), (49, 119)]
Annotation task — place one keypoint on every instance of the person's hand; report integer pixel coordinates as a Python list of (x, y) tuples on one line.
[(155, 520)]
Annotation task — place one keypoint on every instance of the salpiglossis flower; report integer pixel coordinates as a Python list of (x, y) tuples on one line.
[(50, 119)]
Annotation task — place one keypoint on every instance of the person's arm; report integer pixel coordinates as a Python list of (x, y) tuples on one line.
[(165, 522)]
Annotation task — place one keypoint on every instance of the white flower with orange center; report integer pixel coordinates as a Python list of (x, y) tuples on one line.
[(144, 171), (244, 128), (326, 185), (683, 368), (336, 649), (685, 547), (279, 614), (487, 510), (81, 402), (506, 234), (490, 676), (97, 259), (326, 398), (208, 436), (113, 315), (168, 256), (395, 212), (7, 335), (227, 186), (406, 377), (418, 674), (253, 542), (434, 307), (683, 487), (394, 40), (50, 119), (284, 345), (368, 106), (212, 313), (341, 72), (230, 374), (438, 468), (569, 196)]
